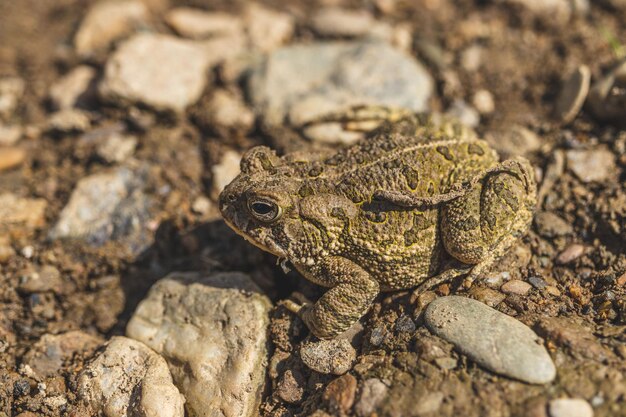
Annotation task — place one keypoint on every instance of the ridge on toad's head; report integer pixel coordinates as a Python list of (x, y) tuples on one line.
[(261, 199)]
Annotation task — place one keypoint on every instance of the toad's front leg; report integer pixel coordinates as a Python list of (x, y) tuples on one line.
[(352, 293)]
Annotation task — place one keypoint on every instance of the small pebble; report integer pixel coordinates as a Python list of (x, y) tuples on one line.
[(333, 21), (10, 134), (11, 157), (516, 286), (405, 324), (593, 165), (571, 253), (483, 102), (472, 58), (69, 121), (290, 387), (201, 205), (267, 28), (570, 407), (446, 363), (117, 147), (225, 171), (334, 356), (46, 278), (487, 295), (373, 391), (551, 225), (464, 113), (537, 282), (573, 94), (11, 90), (199, 24), (73, 89), (492, 339), (378, 336), (339, 393), (552, 290)]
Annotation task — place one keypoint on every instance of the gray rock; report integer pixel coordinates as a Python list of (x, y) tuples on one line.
[(464, 113), (573, 94), (128, 379), (107, 206), (212, 330), (196, 23), (333, 356), (569, 407), (490, 338), (11, 91), (335, 21), (160, 71), (373, 391), (74, 89), (107, 21), (593, 165), (301, 82)]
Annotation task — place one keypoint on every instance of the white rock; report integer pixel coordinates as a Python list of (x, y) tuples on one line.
[(107, 21), (484, 102), (117, 147), (161, 71), (72, 88), (225, 171), (335, 21), (464, 113), (129, 379), (267, 29), (228, 112), (69, 121), (199, 24), (10, 134), (11, 90), (373, 391), (570, 407), (592, 165), (212, 330)]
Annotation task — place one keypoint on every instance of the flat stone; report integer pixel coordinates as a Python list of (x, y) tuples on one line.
[(300, 82), (196, 23), (569, 407), (21, 212), (129, 379), (490, 338), (11, 157), (373, 392), (573, 94), (267, 29), (335, 21), (74, 89), (592, 165), (10, 134), (107, 206), (516, 286), (212, 330), (11, 91), (47, 356), (571, 253), (107, 21), (160, 71), (330, 356)]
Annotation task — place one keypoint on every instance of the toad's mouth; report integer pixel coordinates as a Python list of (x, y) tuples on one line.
[(267, 245)]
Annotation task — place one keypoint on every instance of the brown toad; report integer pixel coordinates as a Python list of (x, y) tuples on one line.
[(413, 204)]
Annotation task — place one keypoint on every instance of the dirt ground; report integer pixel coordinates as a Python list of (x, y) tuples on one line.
[(578, 298)]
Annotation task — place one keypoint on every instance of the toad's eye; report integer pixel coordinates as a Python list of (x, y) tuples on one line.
[(264, 210)]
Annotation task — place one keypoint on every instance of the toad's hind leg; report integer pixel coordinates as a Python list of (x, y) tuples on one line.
[(480, 226)]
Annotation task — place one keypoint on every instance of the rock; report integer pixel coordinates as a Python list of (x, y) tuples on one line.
[(49, 354), (464, 113), (46, 278), (117, 147), (573, 94), (267, 29), (569, 407), (6, 251), (490, 338), (429, 403), (516, 286), (160, 71), (212, 330), (333, 356), (107, 206), (537, 282), (571, 253), (487, 296), (129, 379), (69, 121), (338, 22), (196, 23), (21, 212), (593, 165), (290, 388), (607, 97), (572, 336), (201, 205), (10, 134), (373, 392), (107, 21), (302, 82), (228, 115), (225, 171), (11, 157), (483, 101), (339, 394), (73, 90), (551, 225), (517, 140), (472, 58), (11, 91), (446, 363)]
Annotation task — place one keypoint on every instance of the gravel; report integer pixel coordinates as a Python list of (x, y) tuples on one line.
[(492, 339), (333, 356)]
